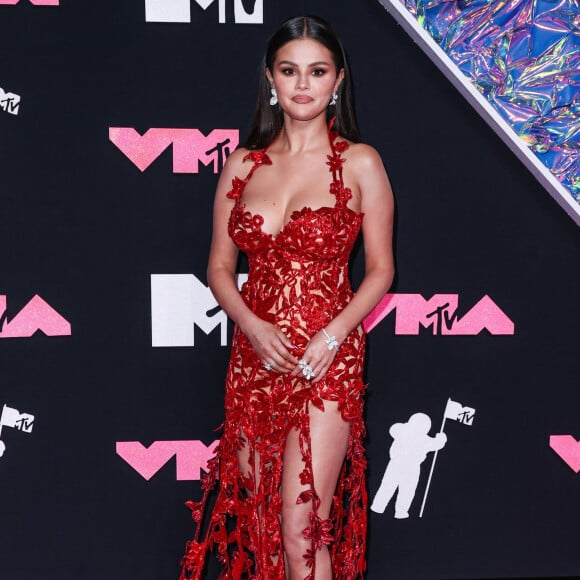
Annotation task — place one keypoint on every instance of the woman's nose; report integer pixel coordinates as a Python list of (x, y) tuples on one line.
[(302, 83)]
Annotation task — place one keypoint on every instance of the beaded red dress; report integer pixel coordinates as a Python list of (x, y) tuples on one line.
[(298, 280)]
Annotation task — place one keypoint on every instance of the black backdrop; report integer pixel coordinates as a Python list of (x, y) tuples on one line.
[(85, 229)]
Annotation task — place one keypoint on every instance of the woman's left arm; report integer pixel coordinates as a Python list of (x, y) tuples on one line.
[(377, 204)]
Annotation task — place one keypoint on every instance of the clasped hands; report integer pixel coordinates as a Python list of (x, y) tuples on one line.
[(275, 350)]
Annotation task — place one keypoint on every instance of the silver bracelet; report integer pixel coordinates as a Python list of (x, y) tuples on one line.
[(330, 340)]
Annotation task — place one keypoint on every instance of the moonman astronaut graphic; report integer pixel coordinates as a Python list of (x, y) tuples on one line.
[(411, 443)]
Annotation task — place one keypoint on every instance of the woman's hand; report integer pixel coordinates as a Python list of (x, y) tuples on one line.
[(272, 346), (318, 356)]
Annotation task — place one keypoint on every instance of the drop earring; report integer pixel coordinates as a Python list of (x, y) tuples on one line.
[(274, 97), (333, 99)]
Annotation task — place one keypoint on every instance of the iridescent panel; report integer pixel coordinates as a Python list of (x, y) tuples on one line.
[(523, 56)]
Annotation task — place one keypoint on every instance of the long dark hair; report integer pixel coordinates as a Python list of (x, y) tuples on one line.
[(268, 119)]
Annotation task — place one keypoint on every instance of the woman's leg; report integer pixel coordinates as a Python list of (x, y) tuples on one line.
[(329, 435)]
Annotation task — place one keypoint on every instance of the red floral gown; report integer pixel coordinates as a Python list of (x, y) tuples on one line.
[(298, 281)]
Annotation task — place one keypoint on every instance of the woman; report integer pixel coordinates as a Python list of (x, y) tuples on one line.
[(292, 501)]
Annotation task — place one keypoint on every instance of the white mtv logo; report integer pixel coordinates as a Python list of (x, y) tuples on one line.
[(179, 303), (9, 102), (180, 11)]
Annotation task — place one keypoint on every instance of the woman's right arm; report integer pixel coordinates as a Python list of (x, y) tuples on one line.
[(269, 342), (223, 253)]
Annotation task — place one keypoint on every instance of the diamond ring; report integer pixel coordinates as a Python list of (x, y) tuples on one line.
[(307, 370)]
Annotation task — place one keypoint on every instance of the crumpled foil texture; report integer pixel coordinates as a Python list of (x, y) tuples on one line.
[(524, 57)]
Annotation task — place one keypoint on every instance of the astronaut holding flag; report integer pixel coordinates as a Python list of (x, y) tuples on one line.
[(410, 447), (13, 418), (411, 444)]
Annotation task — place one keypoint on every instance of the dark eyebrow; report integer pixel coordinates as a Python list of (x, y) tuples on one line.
[(289, 62)]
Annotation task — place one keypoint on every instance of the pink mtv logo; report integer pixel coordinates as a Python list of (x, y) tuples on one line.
[(190, 146), (35, 2), (36, 315), (439, 313), (568, 449), (191, 457)]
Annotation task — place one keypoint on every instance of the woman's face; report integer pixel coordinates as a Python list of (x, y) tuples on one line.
[(304, 76)]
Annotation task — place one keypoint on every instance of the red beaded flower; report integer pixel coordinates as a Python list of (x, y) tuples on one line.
[(318, 531)]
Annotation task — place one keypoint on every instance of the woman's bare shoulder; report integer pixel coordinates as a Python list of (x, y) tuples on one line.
[(363, 163), (236, 166), (236, 160), (363, 156)]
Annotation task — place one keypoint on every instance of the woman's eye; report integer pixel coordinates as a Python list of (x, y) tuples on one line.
[(287, 71), (318, 72)]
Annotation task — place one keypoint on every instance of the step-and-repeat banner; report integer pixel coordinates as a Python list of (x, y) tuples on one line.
[(115, 121)]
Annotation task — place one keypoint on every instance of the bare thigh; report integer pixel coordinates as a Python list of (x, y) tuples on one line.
[(329, 435)]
